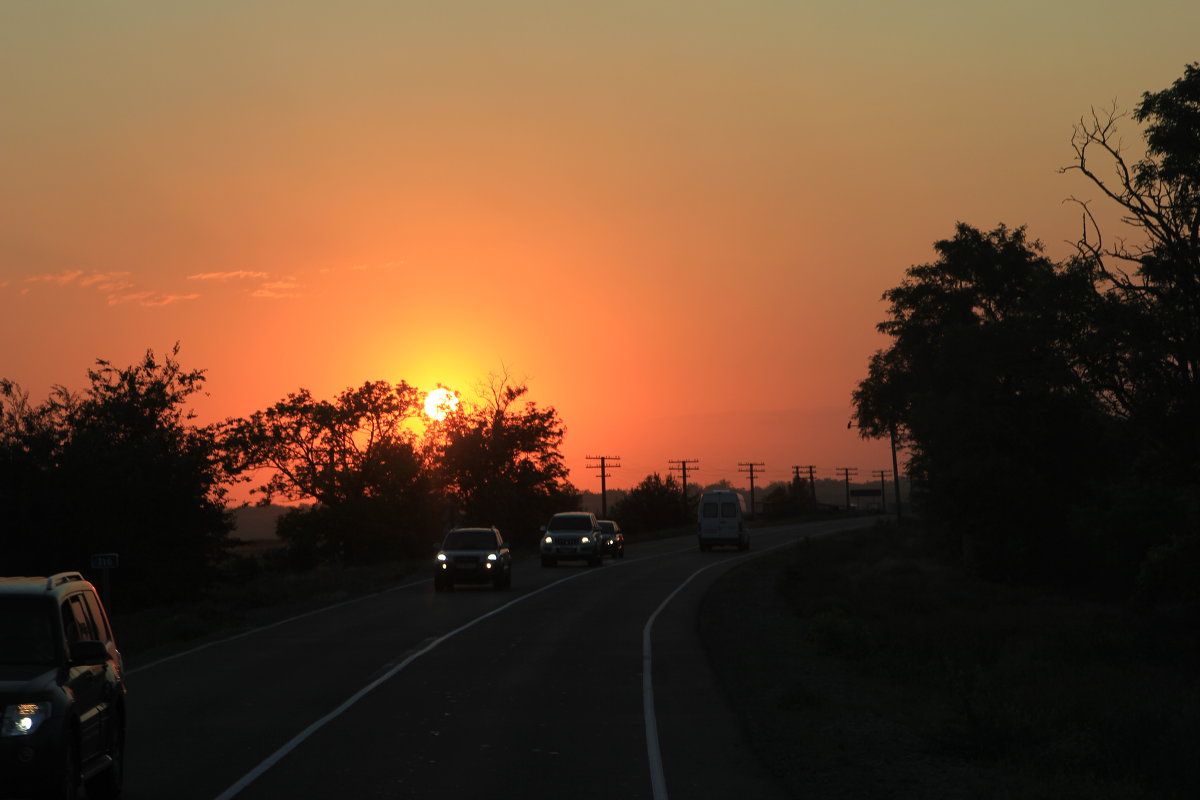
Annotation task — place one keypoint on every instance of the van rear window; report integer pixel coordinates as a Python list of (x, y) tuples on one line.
[(728, 510), (710, 510)]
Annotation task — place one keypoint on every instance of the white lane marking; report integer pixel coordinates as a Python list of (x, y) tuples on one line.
[(276, 624), (658, 779), (299, 738)]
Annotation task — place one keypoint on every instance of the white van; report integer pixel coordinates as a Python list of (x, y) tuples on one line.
[(721, 519)]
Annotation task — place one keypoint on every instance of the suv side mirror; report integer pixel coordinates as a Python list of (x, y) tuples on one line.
[(88, 653)]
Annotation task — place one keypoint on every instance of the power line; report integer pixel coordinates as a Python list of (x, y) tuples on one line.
[(605, 463)]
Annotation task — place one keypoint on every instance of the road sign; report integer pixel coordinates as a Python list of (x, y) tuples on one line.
[(104, 560)]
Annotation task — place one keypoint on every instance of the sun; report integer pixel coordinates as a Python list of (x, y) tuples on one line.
[(440, 402)]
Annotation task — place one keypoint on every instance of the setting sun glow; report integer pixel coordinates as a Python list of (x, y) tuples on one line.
[(440, 402)]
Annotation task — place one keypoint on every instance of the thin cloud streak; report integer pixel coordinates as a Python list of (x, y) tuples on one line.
[(149, 299), (60, 278), (237, 274), (277, 290)]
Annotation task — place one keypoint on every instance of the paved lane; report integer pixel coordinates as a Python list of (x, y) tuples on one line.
[(472, 693)]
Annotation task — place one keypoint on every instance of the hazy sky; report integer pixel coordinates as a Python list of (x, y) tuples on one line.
[(673, 219)]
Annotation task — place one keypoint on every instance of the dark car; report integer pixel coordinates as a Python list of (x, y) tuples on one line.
[(473, 555), (612, 541), (62, 691)]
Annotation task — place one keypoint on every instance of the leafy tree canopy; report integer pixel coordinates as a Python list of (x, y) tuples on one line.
[(333, 451), (119, 467)]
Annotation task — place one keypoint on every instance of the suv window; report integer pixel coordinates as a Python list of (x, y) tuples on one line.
[(77, 624), (27, 631), (98, 618)]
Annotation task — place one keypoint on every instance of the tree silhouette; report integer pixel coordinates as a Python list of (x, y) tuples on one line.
[(356, 457), (500, 462), (118, 467), (1052, 411), (981, 382), (651, 505)]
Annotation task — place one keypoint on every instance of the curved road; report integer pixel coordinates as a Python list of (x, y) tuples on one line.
[(587, 681)]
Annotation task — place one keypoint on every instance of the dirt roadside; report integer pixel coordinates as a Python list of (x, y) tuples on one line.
[(825, 732)]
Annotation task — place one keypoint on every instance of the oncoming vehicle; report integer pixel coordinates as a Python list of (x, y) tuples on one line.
[(571, 535), (612, 541), (721, 520), (62, 691), (473, 555)]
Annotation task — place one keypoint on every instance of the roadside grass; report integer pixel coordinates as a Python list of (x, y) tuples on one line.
[(995, 691)]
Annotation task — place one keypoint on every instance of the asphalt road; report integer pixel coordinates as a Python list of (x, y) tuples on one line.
[(587, 682)]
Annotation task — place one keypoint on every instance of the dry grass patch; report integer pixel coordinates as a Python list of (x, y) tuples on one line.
[(895, 675)]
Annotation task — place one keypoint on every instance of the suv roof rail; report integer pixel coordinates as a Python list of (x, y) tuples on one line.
[(59, 578)]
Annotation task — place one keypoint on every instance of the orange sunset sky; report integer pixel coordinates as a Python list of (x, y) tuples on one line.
[(673, 219)]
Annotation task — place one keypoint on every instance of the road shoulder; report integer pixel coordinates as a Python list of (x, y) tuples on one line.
[(823, 730)]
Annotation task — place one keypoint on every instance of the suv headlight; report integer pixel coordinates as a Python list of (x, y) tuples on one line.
[(441, 556), (23, 719), (548, 540), (585, 540), (493, 557)]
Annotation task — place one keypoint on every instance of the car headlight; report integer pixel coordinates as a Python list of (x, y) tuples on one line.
[(493, 557), (23, 719), (549, 540), (441, 556), (585, 540)]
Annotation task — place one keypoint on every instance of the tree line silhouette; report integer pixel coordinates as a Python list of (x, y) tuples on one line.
[(122, 467), (1051, 410)]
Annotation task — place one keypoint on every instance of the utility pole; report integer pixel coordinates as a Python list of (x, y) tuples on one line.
[(846, 473), (812, 481), (681, 464), (882, 474), (749, 467), (896, 474), (605, 463)]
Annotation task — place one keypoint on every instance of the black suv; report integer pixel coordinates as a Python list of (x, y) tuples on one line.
[(473, 555), (62, 691)]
